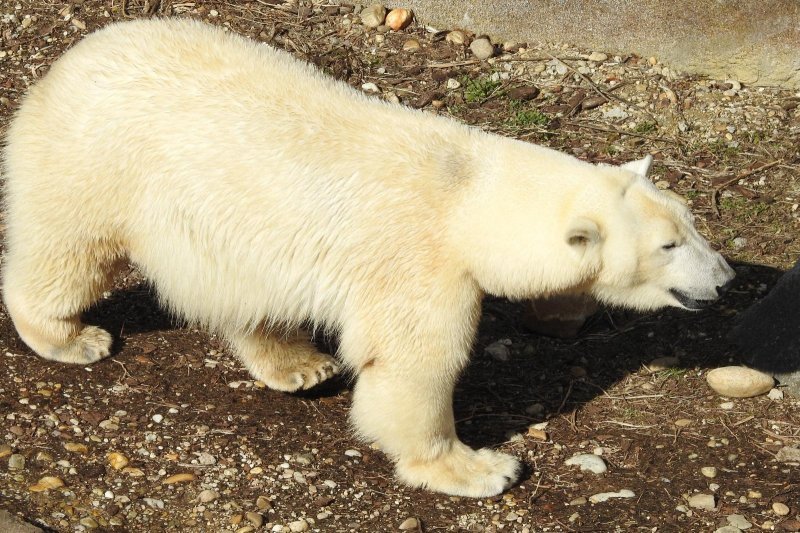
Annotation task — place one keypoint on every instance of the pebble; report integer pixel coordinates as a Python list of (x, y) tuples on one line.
[(738, 521), (537, 434), (352, 453), (498, 351), (370, 87), (109, 425), (76, 447), (456, 37), (683, 422), (89, 522), (780, 509), (411, 45), (788, 454), (206, 459), (579, 501), (254, 518), (179, 478), (739, 242), (399, 18), (703, 501), (727, 405), (603, 496), (453, 83), (775, 394), (47, 483), (207, 496), (615, 112), (409, 523), (663, 363), (158, 418), (16, 462), (117, 460), (373, 16), (739, 382), (709, 471), (154, 503), (482, 48), (597, 56), (298, 525), (588, 462), (727, 529), (263, 503)]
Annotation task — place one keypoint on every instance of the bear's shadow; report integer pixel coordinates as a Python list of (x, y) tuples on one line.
[(494, 399)]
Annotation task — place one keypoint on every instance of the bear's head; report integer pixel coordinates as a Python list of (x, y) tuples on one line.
[(534, 223), (651, 255)]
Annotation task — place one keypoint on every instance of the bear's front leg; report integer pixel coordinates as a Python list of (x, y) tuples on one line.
[(403, 401)]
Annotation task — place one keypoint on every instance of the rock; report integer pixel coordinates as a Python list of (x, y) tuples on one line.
[(579, 501), (537, 434), (604, 496), (683, 422), (597, 56), (588, 462), (727, 529), (663, 363), (498, 351), (207, 496), (16, 462), (411, 45), (739, 382), (154, 503), (5, 450), (9, 523), (775, 394), (593, 102), (738, 521), (511, 517), (615, 113), (179, 478), (709, 471), (523, 94), (254, 518), (482, 48), (263, 503), (788, 454), (298, 526), (703, 501), (206, 459), (89, 522), (739, 243), (727, 405), (409, 523), (76, 447), (456, 37), (158, 418), (117, 460), (453, 83), (399, 18), (352, 453), (373, 16), (370, 87), (768, 332), (780, 509)]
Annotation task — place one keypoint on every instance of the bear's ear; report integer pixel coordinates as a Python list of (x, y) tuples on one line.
[(640, 166), (583, 232)]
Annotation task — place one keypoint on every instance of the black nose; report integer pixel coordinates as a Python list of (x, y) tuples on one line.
[(723, 288)]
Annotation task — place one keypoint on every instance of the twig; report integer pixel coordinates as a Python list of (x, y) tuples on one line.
[(715, 192)]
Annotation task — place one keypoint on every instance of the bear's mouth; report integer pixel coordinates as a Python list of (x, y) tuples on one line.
[(688, 302)]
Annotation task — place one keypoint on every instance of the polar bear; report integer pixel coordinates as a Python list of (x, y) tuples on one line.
[(258, 195)]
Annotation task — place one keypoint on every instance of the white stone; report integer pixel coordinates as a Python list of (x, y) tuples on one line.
[(597, 56), (738, 521), (352, 453), (158, 418), (206, 459), (373, 16), (775, 394), (703, 501), (370, 87), (409, 523), (788, 454), (780, 509), (482, 48), (456, 37), (604, 496), (588, 462), (739, 382), (207, 496), (709, 471), (453, 83), (298, 525)]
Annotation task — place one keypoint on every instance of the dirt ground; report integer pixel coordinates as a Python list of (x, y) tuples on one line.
[(172, 401)]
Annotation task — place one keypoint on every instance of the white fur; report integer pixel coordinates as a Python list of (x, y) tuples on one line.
[(258, 194)]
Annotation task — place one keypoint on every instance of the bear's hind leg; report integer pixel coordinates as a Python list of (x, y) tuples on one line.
[(283, 362), (46, 289)]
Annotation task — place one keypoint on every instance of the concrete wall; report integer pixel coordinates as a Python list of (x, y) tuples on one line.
[(753, 41)]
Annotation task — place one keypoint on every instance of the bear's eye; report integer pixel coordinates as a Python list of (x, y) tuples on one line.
[(669, 246)]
